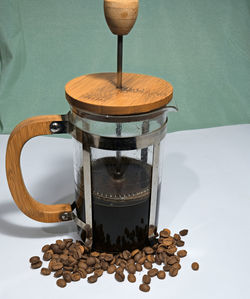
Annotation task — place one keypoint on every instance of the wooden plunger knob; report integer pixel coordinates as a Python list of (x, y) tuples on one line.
[(121, 15)]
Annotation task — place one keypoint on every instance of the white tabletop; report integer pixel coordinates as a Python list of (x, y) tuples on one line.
[(206, 189)]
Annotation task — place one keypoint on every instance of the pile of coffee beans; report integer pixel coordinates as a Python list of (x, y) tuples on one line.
[(72, 261)]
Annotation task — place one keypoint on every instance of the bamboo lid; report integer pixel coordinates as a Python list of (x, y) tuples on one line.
[(98, 93)]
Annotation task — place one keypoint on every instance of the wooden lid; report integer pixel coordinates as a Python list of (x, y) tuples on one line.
[(97, 93)]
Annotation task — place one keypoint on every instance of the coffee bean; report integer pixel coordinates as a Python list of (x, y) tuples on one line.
[(167, 268), (97, 266), (67, 276), (56, 266), (82, 265), (168, 241), (161, 274), (68, 268), (94, 254), (130, 261), (177, 266), (45, 248), (164, 234), (148, 250), (108, 257), (195, 266), (146, 279), (126, 254), (61, 283), (144, 287), (153, 272), (183, 232), (90, 270), (119, 276), (151, 258), (134, 252), (111, 269), (131, 277), (75, 276), (142, 260), (137, 257), (172, 260), (34, 259), (173, 271), (98, 272), (82, 272), (56, 248), (180, 243), (45, 271), (92, 278), (158, 260), (131, 268), (47, 256), (90, 261), (148, 265), (36, 265), (182, 253), (138, 267), (104, 265), (58, 273), (177, 237), (171, 249)]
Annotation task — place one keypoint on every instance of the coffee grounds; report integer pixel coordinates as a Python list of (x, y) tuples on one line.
[(72, 261)]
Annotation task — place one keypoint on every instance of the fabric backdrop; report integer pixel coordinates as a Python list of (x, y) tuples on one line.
[(201, 46)]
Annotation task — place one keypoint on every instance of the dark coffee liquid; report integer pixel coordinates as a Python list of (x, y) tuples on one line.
[(121, 203)]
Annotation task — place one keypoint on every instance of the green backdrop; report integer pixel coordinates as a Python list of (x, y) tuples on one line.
[(201, 46)]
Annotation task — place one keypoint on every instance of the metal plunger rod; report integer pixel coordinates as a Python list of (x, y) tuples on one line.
[(119, 61)]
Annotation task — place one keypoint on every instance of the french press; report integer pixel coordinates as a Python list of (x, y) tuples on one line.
[(118, 122)]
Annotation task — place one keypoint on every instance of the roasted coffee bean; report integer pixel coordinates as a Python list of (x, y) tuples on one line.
[(137, 257), (92, 278), (164, 234), (173, 271), (36, 265), (172, 260), (97, 266), (90, 261), (183, 232), (130, 261), (146, 279), (68, 268), (94, 254), (72, 261), (104, 265), (45, 271), (167, 268), (98, 272), (75, 276), (148, 250), (161, 274), (151, 258), (68, 240), (182, 253), (195, 266), (177, 237), (119, 276), (168, 241), (58, 273), (171, 249), (131, 268), (153, 272), (134, 252), (56, 266), (158, 260), (131, 277), (144, 287), (82, 272), (45, 248), (108, 257), (138, 267), (61, 283), (142, 260), (111, 269), (126, 254), (56, 249), (34, 259), (90, 270), (180, 243), (67, 276), (148, 265), (177, 266)]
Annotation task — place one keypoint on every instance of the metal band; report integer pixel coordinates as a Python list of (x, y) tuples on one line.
[(87, 183), (121, 143), (154, 190)]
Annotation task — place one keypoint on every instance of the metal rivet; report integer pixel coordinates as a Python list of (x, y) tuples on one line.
[(55, 127)]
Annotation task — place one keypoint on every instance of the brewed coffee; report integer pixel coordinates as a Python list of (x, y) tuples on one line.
[(120, 203)]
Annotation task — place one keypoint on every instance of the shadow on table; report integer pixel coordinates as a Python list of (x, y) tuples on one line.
[(178, 183), (10, 228)]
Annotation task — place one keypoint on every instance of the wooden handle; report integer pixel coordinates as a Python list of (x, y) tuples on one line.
[(121, 15), (31, 127)]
